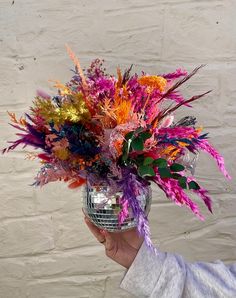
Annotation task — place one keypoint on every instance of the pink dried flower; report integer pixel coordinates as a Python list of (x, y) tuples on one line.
[(205, 146)]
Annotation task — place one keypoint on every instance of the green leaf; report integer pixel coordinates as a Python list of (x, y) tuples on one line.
[(193, 185), (160, 162), (183, 182), (148, 161), (146, 171), (129, 135), (139, 159), (164, 172), (125, 147), (137, 144), (177, 167), (124, 158), (145, 135), (125, 151), (175, 176)]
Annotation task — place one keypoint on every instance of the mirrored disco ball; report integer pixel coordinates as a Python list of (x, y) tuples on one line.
[(189, 160), (102, 208)]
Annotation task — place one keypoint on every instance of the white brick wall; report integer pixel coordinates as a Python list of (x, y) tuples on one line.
[(45, 249)]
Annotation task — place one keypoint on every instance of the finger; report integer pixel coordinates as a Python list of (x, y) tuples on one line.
[(109, 244), (85, 214), (94, 230)]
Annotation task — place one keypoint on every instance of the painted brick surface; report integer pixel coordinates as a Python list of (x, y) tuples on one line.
[(45, 249)]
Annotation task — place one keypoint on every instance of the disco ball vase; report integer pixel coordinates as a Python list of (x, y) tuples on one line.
[(103, 208)]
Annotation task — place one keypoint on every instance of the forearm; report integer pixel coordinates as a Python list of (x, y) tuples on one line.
[(168, 275)]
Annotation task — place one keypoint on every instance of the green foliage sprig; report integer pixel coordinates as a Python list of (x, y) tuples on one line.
[(147, 166)]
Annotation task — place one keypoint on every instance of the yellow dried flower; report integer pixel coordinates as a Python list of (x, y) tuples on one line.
[(72, 109), (62, 153)]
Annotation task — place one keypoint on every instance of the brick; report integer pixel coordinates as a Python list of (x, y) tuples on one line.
[(26, 236), (192, 31), (75, 286), (12, 289), (71, 262)]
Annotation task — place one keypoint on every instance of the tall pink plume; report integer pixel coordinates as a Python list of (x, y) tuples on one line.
[(177, 97), (202, 193), (175, 75), (177, 194), (205, 146), (178, 131)]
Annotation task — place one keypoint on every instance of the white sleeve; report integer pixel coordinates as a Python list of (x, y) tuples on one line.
[(168, 275)]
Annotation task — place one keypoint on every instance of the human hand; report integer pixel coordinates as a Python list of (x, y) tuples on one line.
[(121, 247)]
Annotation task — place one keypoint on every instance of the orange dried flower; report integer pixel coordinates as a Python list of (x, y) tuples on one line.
[(153, 82)]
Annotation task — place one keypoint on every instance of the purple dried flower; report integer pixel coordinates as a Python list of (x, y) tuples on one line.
[(132, 188)]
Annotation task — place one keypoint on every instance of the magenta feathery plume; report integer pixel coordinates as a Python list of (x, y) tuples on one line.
[(176, 194), (205, 146)]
